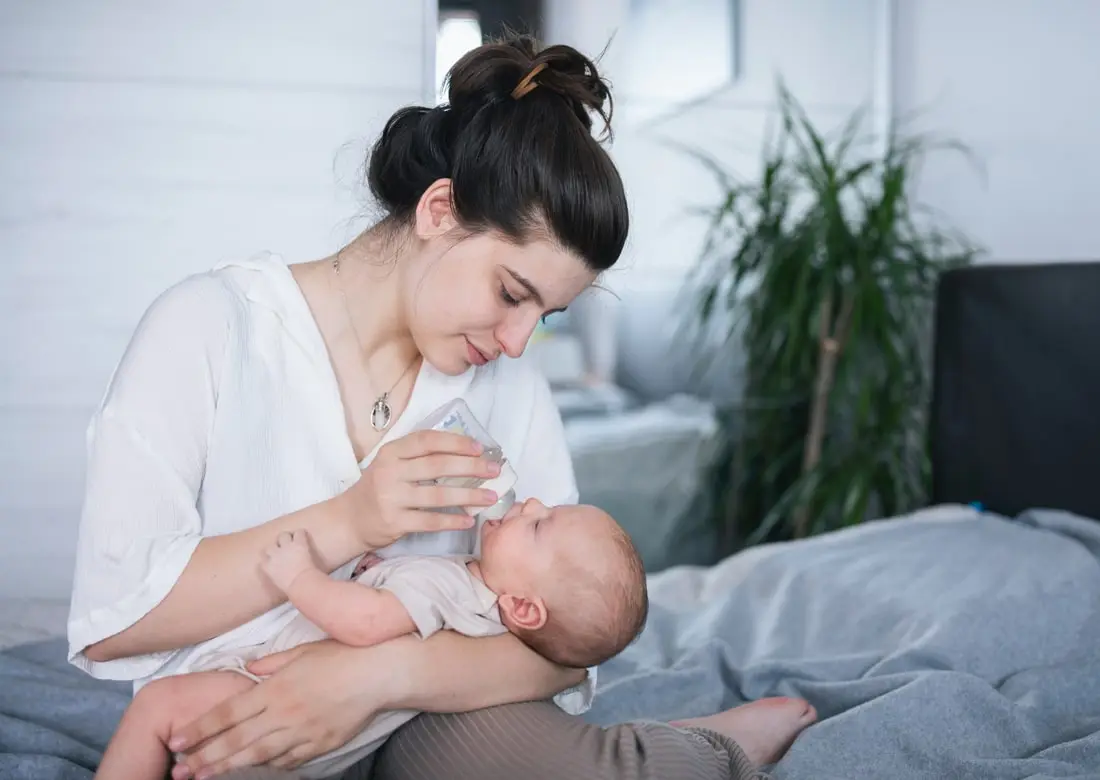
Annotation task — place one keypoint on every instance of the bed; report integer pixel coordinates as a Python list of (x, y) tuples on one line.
[(961, 641)]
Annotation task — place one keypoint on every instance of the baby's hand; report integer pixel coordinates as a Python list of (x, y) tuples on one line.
[(287, 558)]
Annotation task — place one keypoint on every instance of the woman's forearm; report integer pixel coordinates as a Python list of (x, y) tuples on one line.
[(453, 673), (222, 586)]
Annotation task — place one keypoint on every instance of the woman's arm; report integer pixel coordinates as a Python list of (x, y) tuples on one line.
[(453, 673), (319, 696), (222, 586)]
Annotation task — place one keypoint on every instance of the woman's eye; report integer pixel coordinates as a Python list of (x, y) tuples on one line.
[(507, 297)]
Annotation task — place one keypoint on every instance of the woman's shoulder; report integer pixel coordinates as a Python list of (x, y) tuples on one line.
[(197, 305), (217, 297)]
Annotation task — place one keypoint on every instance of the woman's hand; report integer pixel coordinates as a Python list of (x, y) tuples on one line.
[(318, 697), (393, 496), (321, 695)]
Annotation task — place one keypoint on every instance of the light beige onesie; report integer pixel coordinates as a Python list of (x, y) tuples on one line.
[(438, 591)]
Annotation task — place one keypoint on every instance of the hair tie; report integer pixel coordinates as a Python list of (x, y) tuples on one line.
[(528, 82)]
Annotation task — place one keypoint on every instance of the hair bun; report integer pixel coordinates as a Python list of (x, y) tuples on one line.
[(413, 151), (490, 73)]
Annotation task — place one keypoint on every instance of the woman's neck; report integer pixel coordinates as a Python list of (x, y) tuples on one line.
[(369, 280)]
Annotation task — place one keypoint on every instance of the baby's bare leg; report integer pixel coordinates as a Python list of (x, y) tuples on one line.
[(139, 748)]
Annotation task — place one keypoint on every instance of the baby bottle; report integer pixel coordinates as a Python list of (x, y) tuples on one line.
[(455, 416)]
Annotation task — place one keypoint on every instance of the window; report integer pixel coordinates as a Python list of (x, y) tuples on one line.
[(459, 31)]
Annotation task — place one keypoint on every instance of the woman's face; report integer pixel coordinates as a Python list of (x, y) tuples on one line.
[(470, 301)]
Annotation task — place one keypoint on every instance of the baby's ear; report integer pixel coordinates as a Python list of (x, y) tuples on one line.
[(528, 614)]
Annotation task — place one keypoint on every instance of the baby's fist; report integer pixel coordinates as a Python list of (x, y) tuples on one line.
[(287, 558)]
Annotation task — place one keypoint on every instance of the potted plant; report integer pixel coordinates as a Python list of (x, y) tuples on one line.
[(821, 270)]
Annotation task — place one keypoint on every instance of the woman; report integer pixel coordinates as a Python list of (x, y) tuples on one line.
[(262, 397)]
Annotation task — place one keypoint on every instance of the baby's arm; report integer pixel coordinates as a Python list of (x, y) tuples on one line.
[(347, 611)]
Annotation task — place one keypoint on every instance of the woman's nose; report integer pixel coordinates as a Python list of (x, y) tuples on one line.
[(514, 335)]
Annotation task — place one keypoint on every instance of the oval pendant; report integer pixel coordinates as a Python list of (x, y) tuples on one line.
[(380, 415)]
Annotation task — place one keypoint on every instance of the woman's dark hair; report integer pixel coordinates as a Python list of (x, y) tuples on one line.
[(520, 161)]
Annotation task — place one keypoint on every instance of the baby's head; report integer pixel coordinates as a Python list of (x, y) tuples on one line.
[(569, 581)]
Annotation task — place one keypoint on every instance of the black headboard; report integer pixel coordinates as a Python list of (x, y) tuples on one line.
[(1015, 418)]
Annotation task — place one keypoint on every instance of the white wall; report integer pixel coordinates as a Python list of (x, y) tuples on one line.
[(1011, 79), (1008, 77), (140, 142)]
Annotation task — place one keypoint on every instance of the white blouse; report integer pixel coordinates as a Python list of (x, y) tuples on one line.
[(224, 413)]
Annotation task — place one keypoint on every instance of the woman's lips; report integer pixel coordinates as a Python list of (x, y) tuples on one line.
[(475, 355)]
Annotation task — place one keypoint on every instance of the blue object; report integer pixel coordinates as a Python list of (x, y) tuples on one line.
[(978, 505)]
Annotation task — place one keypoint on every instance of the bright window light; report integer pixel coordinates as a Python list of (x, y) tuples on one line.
[(459, 31)]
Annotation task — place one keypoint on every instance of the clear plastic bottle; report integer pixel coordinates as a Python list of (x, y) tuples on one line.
[(455, 416)]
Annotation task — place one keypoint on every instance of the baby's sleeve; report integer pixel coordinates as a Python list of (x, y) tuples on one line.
[(434, 591)]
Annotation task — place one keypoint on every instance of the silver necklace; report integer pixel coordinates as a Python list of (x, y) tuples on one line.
[(381, 415)]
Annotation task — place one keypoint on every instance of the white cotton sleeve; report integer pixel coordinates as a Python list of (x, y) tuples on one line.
[(146, 448), (545, 469)]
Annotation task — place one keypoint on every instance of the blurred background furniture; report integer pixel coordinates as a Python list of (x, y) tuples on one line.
[(642, 460), (1014, 421)]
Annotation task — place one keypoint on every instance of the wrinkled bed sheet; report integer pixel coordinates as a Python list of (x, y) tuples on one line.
[(946, 644)]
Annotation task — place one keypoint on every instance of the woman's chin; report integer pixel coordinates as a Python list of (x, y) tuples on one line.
[(449, 364)]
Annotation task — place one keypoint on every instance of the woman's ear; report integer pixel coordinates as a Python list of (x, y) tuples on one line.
[(434, 212), (528, 614)]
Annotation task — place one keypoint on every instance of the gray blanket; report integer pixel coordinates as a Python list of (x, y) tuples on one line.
[(943, 645), (54, 719), (948, 644)]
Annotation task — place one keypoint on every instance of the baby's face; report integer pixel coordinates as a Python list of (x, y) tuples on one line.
[(520, 550)]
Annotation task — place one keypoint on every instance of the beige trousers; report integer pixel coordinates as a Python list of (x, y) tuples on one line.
[(537, 741)]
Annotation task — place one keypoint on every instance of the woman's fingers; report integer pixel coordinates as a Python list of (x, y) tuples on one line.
[(270, 747), (443, 496), (419, 443), (235, 742), (430, 467), (391, 499), (231, 712), (426, 521)]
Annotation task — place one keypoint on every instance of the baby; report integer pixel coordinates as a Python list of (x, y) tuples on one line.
[(566, 580)]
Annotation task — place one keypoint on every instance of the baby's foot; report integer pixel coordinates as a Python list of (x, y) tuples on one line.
[(764, 729)]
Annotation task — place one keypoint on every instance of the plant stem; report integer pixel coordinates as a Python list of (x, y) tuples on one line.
[(733, 497), (831, 342)]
